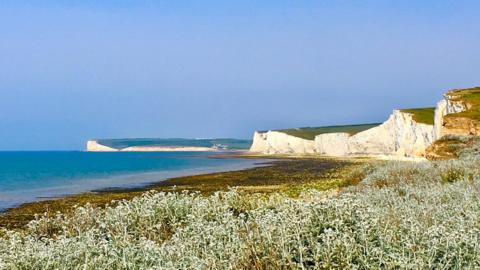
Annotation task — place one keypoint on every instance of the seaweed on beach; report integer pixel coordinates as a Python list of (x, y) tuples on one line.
[(288, 175)]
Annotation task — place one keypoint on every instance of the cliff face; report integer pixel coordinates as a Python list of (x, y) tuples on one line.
[(399, 136), (444, 125), (461, 126)]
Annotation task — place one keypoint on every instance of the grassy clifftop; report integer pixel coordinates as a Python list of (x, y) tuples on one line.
[(469, 96), (309, 133), (422, 115)]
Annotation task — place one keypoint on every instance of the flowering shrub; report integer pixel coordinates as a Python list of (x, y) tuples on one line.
[(402, 216)]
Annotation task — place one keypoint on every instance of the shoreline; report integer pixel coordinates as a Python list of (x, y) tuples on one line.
[(122, 182), (291, 175), (158, 149)]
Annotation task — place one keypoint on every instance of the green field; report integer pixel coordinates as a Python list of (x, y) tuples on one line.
[(309, 133), (422, 115)]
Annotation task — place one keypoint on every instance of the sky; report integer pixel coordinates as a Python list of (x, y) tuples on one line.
[(75, 70)]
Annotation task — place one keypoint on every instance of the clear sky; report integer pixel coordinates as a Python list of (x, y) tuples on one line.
[(74, 70)]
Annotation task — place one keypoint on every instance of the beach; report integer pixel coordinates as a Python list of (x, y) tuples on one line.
[(32, 176), (275, 174)]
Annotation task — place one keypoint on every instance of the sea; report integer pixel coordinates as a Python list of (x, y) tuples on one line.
[(32, 176)]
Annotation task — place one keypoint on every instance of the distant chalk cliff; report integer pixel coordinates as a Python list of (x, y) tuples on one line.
[(94, 146), (166, 145)]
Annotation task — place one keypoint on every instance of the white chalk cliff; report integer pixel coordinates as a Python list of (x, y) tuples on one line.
[(399, 136), (94, 146)]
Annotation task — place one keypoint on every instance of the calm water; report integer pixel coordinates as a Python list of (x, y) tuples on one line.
[(30, 176)]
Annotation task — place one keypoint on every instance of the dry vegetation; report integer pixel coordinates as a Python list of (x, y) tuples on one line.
[(452, 147)]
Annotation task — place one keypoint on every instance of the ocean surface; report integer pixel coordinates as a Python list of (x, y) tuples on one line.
[(32, 176)]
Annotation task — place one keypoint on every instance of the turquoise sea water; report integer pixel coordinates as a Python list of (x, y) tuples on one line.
[(30, 176)]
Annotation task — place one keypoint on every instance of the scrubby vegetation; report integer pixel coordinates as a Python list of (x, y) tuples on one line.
[(422, 115), (452, 147), (402, 216), (309, 133)]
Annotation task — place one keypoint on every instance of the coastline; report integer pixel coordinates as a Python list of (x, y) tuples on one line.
[(167, 149), (125, 181), (280, 173)]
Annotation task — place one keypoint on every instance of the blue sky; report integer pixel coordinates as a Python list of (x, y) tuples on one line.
[(74, 70)]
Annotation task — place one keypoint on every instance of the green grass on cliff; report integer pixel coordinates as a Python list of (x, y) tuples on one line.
[(470, 96), (422, 115), (309, 133)]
